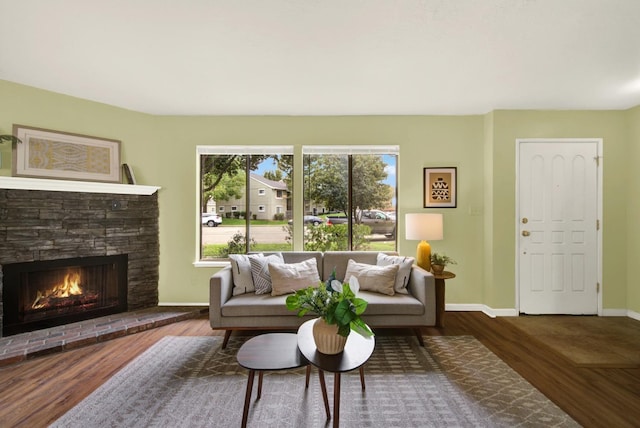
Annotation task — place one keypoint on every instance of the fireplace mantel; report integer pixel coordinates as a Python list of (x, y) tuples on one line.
[(23, 183)]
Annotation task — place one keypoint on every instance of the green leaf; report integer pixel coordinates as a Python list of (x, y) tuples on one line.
[(361, 328), (343, 313), (360, 305), (344, 330)]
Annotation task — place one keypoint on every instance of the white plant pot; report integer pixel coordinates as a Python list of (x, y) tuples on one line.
[(327, 339)]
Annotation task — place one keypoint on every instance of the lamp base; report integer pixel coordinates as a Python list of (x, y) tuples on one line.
[(423, 255)]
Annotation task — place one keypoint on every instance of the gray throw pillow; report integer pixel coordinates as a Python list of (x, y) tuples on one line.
[(260, 271), (404, 270), (241, 272)]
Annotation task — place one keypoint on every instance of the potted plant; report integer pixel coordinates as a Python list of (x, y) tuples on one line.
[(338, 308), (440, 261)]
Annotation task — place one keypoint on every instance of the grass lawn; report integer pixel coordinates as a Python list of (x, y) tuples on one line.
[(242, 222), (213, 250)]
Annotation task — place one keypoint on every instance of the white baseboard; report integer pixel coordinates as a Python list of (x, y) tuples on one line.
[(183, 304), (479, 307), (615, 313), (493, 313), (463, 307)]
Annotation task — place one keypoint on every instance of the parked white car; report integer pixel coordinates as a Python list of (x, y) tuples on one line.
[(211, 219)]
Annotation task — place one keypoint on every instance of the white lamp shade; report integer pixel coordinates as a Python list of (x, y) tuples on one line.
[(424, 227)]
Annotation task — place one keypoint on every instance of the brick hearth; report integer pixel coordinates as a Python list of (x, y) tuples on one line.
[(21, 347)]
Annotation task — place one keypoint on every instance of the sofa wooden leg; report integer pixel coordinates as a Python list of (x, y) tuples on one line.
[(227, 335), (419, 336)]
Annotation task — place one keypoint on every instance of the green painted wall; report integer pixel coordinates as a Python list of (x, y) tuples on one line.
[(478, 233), (611, 126), (633, 226)]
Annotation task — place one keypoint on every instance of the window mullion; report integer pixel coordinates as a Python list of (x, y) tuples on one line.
[(247, 203), (350, 217)]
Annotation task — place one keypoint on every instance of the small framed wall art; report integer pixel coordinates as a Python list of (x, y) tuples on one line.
[(44, 153), (440, 187)]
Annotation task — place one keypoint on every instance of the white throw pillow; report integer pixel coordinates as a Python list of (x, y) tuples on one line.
[(380, 279), (404, 270), (241, 272), (288, 277), (260, 271)]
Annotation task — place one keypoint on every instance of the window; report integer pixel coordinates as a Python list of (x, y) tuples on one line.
[(235, 177), (352, 189), (357, 186)]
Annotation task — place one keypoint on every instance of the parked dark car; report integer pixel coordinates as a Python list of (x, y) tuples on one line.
[(379, 222), (311, 219)]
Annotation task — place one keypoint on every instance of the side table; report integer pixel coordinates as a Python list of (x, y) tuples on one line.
[(440, 278), (356, 352)]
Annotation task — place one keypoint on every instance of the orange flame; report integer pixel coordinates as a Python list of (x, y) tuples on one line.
[(70, 287)]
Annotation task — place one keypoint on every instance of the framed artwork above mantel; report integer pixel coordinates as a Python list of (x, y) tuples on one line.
[(440, 187), (44, 153)]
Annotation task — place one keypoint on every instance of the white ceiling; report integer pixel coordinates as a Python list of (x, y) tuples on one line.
[(327, 57)]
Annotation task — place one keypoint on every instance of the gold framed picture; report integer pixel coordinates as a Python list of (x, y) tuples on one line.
[(440, 187), (44, 153)]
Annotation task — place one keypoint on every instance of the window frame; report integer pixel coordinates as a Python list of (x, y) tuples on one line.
[(225, 150), (350, 151)]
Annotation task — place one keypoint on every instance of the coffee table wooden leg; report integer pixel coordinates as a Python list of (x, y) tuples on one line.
[(306, 383), (336, 400), (325, 398), (259, 385), (362, 378), (247, 398)]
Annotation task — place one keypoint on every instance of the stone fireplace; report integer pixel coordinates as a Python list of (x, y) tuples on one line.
[(43, 294), (60, 236)]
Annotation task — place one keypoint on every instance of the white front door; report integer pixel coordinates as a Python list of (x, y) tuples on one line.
[(557, 242)]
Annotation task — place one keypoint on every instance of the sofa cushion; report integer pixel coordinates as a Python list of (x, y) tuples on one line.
[(261, 305), (256, 305), (289, 277), (241, 272), (404, 270), (380, 279), (260, 271), (398, 304)]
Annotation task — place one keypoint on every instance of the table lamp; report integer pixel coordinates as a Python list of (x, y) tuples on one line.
[(422, 227)]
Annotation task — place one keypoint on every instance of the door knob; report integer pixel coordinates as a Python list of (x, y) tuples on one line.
[(526, 233)]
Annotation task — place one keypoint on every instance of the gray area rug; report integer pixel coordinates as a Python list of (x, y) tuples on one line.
[(191, 382)]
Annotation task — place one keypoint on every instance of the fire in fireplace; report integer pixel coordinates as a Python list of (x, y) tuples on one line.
[(48, 293)]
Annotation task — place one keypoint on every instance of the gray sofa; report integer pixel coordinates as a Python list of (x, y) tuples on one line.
[(262, 311)]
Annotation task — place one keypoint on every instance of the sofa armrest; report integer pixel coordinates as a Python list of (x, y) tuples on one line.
[(422, 286), (220, 291)]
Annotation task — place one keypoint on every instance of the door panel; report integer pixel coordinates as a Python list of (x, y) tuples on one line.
[(557, 240)]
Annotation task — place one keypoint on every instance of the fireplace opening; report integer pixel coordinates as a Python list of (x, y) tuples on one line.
[(45, 294)]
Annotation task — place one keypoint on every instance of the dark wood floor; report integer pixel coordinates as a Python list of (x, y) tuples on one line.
[(35, 393)]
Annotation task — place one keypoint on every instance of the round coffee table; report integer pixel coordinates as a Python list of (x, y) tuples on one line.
[(356, 352), (272, 351)]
